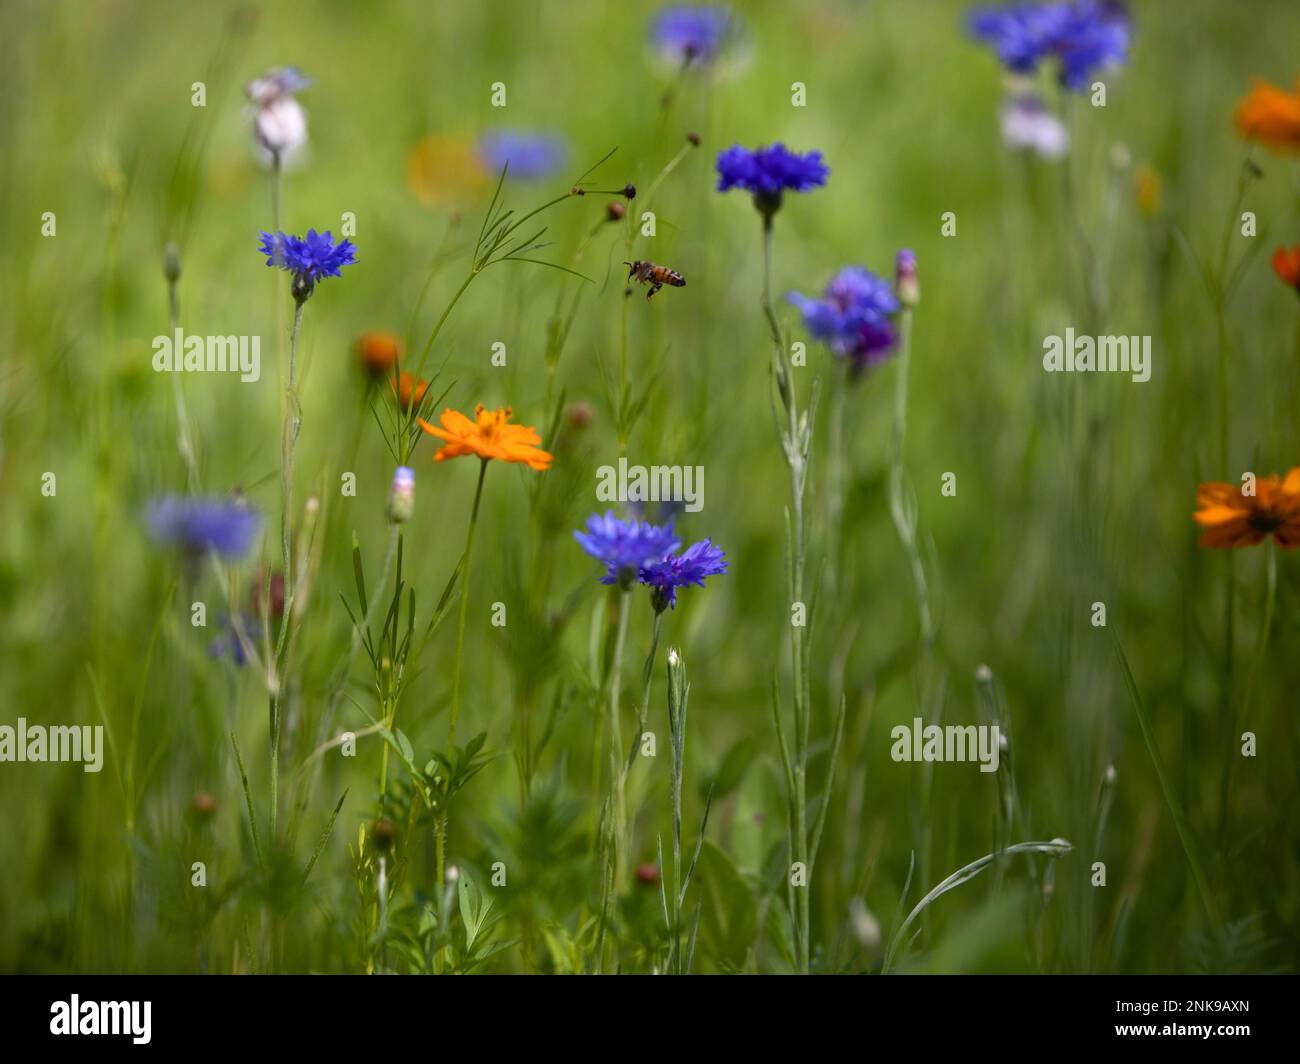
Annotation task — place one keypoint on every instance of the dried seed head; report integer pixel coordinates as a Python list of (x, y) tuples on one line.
[(629, 190)]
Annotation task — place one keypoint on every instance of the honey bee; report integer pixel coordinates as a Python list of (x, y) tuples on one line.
[(655, 276)]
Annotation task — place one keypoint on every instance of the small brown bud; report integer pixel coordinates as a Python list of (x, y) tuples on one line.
[(615, 211), (203, 805), (694, 139), (383, 834)]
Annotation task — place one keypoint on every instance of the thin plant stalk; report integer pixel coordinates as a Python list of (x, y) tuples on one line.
[(618, 779), (441, 833), (795, 438), (292, 425)]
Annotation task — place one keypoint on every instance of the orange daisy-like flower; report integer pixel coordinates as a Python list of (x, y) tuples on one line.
[(378, 352), (1233, 519), (489, 435), (1286, 264), (410, 391), (1271, 116)]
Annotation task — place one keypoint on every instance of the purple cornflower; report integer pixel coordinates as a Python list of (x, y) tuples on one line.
[(672, 571), (695, 34), (200, 525), (1083, 35), (770, 172), (852, 316), (624, 546), (531, 156), (308, 258)]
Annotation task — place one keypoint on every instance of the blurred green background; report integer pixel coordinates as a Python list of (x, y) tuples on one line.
[(1071, 489)]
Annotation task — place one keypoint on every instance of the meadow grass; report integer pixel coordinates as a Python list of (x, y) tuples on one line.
[(438, 762)]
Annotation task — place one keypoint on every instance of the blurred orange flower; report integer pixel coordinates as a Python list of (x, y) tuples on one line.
[(378, 352), (490, 435), (1148, 190), (443, 169), (1231, 518), (1271, 116), (1286, 264), (409, 391)]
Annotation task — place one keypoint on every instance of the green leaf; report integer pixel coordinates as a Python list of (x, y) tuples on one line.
[(729, 921), (734, 763)]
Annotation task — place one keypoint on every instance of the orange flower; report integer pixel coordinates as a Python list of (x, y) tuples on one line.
[(444, 169), (1271, 116), (409, 390), (1147, 190), (378, 352), (490, 435), (1286, 264), (1233, 519)]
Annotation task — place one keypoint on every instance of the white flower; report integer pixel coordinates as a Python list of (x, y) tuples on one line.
[(279, 122), (1027, 125)]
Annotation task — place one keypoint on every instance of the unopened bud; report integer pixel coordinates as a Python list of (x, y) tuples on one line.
[(615, 211), (906, 286), (172, 263), (401, 498)]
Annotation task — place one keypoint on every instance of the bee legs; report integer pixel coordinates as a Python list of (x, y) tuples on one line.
[(653, 289)]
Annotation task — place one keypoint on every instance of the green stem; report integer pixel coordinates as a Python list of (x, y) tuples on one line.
[(617, 777), (464, 606), (904, 522), (292, 425), (644, 716), (794, 453), (1228, 778)]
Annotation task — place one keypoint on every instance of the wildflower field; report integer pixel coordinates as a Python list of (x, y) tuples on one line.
[(599, 488)]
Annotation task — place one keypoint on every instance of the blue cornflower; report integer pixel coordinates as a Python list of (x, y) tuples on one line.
[(228, 644), (624, 546), (770, 172), (1083, 35), (852, 317), (695, 34), (200, 525), (672, 571), (308, 258), (1095, 36), (531, 156)]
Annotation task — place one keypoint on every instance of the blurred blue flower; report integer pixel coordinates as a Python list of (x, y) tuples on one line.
[(694, 34), (672, 571), (200, 525), (852, 316), (768, 172), (624, 546), (531, 156), (229, 645), (308, 258), (1083, 35)]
